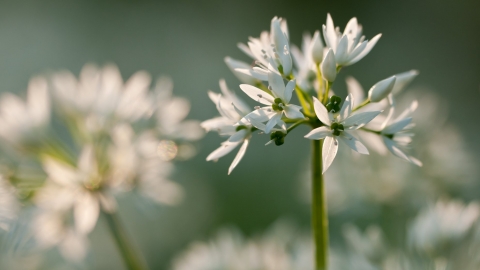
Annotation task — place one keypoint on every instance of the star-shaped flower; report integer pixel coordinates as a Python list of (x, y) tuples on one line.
[(232, 110), (349, 47), (277, 103), (338, 125)]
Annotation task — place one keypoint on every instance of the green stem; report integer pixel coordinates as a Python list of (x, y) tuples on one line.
[(130, 256), (296, 124), (319, 208), (327, 90), (363, 104), (320, 82)]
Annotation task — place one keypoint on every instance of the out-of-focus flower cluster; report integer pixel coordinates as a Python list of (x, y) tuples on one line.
[(76, 143), (446, 225)]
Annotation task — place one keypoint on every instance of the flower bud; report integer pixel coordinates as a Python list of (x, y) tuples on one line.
[(329, 66), (403, 79), (316, 48), (381, 89)]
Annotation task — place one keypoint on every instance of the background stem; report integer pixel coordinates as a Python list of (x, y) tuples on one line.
[(131, 257), (319, 208)]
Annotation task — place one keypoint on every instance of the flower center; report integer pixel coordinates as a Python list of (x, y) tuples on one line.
[(337, 128), (333, 104), (278, 105)]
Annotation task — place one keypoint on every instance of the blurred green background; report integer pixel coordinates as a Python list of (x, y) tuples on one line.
[(188, 40)]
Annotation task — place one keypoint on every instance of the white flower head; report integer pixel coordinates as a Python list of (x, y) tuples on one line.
[(339, 127), (350, 46), (277, 103)]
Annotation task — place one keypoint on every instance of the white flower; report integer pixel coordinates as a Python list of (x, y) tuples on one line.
[(140, 162), (232, 110), (170, 113), (79, 188), (443, 224), (99, 98), (339, 127), (24, 122), (349, 47), (305, 59), (270, 49), (395, 133), (278, 103), (52, 228)]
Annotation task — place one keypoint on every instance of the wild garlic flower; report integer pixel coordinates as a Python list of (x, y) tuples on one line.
[(99, 98), (24, 123), (441, 226), (339, 124), (270, 49), (350, 46), (278, 103), (232, 110)]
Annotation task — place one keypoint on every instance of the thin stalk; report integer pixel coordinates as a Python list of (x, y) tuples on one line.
[(320, 82), (303, 101), (327, 90), (131, 257), (363, 104), (319, 208)]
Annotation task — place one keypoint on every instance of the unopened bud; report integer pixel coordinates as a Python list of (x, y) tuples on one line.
[(381, 89)]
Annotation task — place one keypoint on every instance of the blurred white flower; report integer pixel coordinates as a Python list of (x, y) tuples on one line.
[(23, 123), (170, 113), (80, 188), (340, 127), (443, 225), (137, 163), (349, 47), (100, 98), (53, 228)]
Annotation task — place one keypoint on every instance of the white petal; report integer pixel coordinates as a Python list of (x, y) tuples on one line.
[(353, 143), (355, 89), (329, 66), (239, 156), (321, 112), (403, 79), (234, 64), (367, 49), (238, 136), (319, 133), (317, 47), (293, 111), (86, 212), (275, 80), (273, 122), (346, 107), (289, 89), (356, 51), (358, 120), (330, 149), (258, 74), (229, 94), (381, 89), (329, 33), (341, 54), (224, 149), (260, 115), (257, 94), (392, 146), (59, 172), (397, 126)]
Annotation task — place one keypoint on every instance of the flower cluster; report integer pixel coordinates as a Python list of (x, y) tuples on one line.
[(281, 68), (77, 142)]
